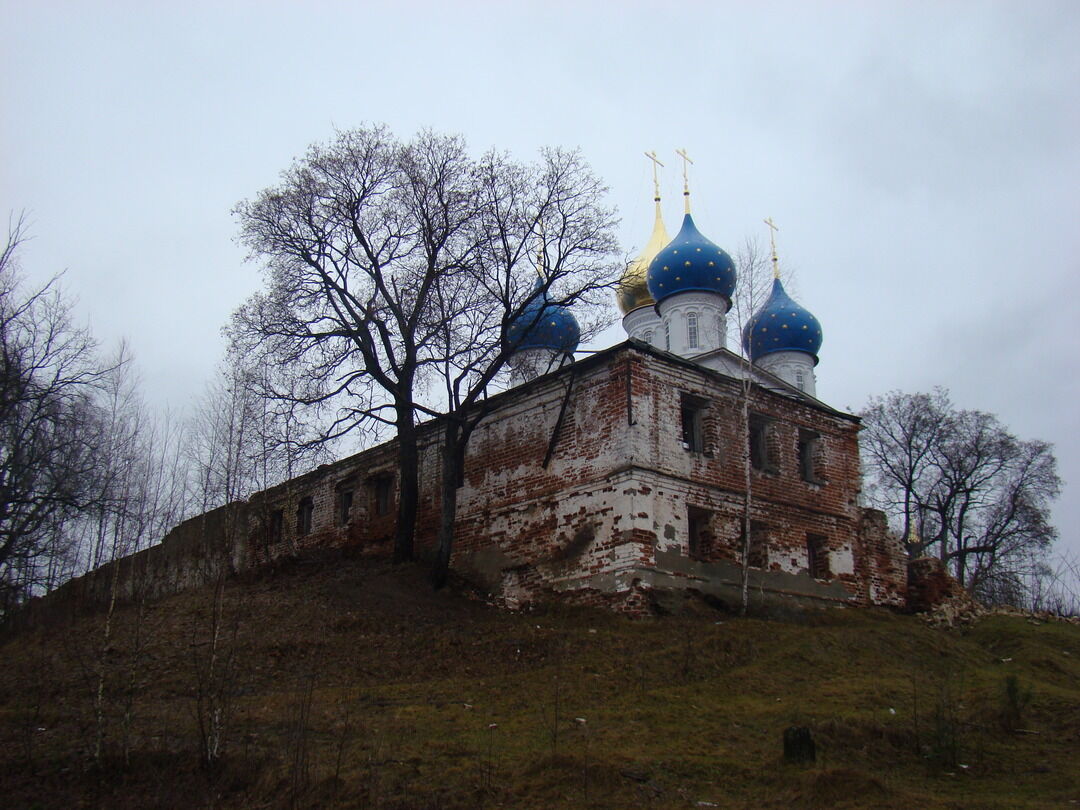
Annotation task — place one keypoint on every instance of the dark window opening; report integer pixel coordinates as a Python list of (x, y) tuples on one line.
[(344, 504), (691, 411), (304, 512), (809, 444), (699, 533), (277, 525), (760, 458), (817, 556), (758, 556), (383, 488)]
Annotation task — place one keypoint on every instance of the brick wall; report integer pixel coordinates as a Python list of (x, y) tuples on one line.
[(610, 510), (596, 504), (195, 553)]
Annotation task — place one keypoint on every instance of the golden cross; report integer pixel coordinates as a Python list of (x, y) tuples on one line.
[(686, 161), (655, 176), (772, 241)]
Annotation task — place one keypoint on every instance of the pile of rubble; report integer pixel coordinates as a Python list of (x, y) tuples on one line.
[(958, 612), (941, 601), (955, 611)]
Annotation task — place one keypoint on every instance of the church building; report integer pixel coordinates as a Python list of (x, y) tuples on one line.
[(631, 476), (663, 466)]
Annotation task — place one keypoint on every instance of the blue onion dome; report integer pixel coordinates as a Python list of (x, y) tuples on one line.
[(781, 325), (544, 325), (691, 262)]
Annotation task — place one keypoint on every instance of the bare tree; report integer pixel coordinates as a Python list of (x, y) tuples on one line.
[(898, 442), (557, 207), (755, 280), (394, 271), (222, 451), (135, 496), (756, 272), (960, 485), (48, 462)]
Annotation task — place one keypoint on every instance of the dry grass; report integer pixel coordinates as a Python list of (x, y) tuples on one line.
[(359, 687)]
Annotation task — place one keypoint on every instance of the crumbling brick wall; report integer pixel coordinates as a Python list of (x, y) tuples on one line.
[(195, 553), (587, 482)]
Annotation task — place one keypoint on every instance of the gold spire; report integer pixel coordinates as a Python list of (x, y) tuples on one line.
[(686, 162), (633, 291), (772, 241)]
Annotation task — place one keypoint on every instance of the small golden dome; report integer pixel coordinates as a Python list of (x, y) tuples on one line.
[(633, 292)]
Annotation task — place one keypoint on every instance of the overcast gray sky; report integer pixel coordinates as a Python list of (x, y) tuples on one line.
[(921, 159)]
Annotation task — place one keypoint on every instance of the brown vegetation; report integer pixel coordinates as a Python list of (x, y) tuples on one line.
[(349, 683)]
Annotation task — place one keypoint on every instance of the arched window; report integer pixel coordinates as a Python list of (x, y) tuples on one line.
[(667, 335), (691, 331), (647, 337)]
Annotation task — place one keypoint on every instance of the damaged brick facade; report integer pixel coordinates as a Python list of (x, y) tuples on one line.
[(618, 480), (622, 475)]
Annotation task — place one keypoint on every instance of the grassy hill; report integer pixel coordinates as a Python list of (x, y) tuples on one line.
[(342, 682)]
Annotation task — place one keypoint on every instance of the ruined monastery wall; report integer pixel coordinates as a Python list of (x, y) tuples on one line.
[(610, 481)]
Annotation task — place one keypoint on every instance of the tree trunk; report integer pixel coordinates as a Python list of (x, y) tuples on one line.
[(748, 483), (452, 447), (408, 485)]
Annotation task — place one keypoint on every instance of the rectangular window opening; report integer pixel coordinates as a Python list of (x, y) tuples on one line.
[(699, 532), (817, 555), (383, 492), (305, 510), (691, 417), (809, 444), (276, 528), (691, 331), (760, 458), (759, 537), (344, 504)]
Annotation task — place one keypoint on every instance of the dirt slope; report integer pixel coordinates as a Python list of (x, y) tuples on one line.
[(339, 682)]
